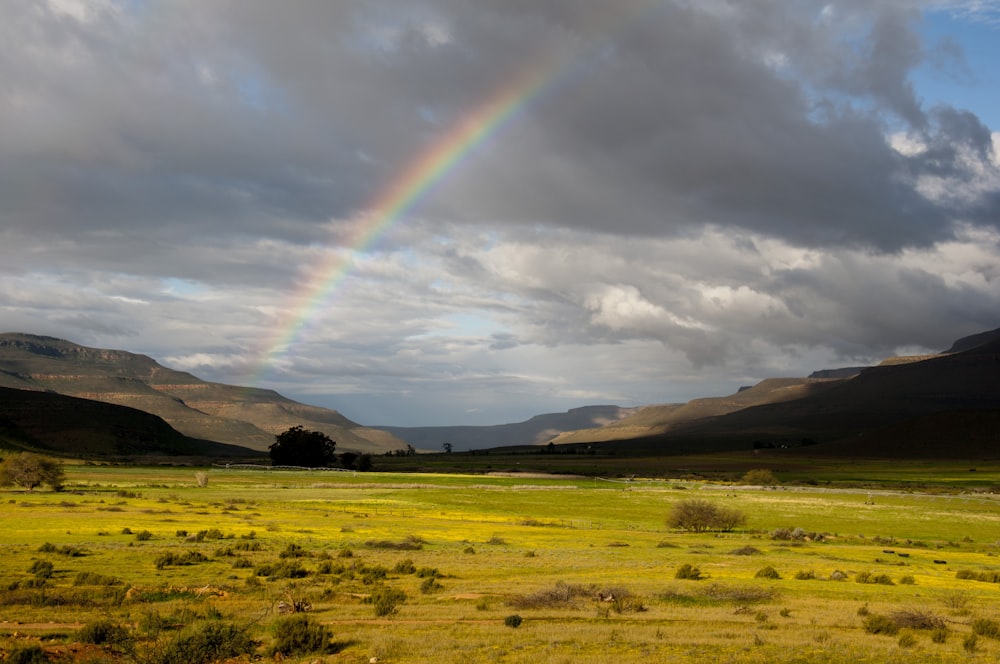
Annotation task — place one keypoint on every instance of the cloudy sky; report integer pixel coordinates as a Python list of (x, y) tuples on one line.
[(430, 212)]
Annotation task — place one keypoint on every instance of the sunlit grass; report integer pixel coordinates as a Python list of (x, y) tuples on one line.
[(492, 540)]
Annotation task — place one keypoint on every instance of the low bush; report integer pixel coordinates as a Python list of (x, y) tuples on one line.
[(805, 575), (299, 634), (689, 572), (42, 569), (746, 551), (513, 621), (29, 654), (986, 577), (286, 569), (767, 573), (875, 623), (562, 595), (986, 627), (209, 643), (872, 578), (916, 619), (180, 559), (386, 600), (760, 477), (404, 567), (294, 551), (94, 579), (105, 632)]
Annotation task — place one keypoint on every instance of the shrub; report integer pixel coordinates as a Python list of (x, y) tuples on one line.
[(94, 579), (386, 600), (956, 600), (805, 575), (875, 623), (907, 580), (513, 621), (300, 635), (372, 574), (917, 619), (405, 567), (688, 571), (294, 551), (986, 627), (201, 479), (760, 477), (561, 595), (283, 570), (213, 641), (697, 515), (42, 569), (104, 632), (767, 573), (970, 643), (796, 535), (739, 595), (871, 578), (746, 551), (430, 585), (180, 559), (939, 635), (29, 654), (907, 640), (144, 535), (29, 470), (986, 577)]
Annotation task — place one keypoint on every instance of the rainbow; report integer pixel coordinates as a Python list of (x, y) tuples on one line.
[(414, 182)]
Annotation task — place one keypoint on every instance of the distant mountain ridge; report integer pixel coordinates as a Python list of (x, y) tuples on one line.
[(245, 416), (851, 409), (537, 430)]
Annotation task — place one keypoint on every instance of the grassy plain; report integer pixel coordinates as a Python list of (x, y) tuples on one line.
[(587, 564)]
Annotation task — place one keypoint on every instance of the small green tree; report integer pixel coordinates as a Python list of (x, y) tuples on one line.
[(30, 470), (699, 516), (301, 447)]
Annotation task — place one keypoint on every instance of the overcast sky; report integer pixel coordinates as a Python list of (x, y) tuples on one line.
[(433, 212)]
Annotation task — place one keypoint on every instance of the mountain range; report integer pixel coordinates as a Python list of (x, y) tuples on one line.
[(244, 416), (53, 387)]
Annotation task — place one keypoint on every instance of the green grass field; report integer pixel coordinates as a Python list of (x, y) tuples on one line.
[(587, 565)]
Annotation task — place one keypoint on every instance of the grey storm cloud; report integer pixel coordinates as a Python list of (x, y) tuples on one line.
[(268, 119), (677, 190)]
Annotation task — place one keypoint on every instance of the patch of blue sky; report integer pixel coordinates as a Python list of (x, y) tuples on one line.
[(969, 80), (183, 288)]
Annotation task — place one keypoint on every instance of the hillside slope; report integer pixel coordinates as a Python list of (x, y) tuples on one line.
[(245, 416), (68, 426), (876, 408), (661, 419)]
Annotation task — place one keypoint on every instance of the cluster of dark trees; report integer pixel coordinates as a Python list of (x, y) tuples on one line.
[(313, 449)]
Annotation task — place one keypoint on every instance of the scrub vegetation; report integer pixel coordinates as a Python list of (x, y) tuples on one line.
[(158, 565)]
